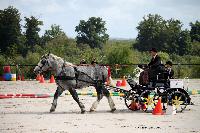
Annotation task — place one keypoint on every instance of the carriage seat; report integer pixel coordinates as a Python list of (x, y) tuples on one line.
[(161, 80)]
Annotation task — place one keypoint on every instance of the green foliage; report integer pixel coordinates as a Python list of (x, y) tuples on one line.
[(149, 31), (32, 30), (31, 59), (92, 32), (10, 30), (195, 31), (2, 62), (164, 57), (121, 54), (165, 35), (195, 72), (195, 50), (89, 54), (184, 42), (52, 33)]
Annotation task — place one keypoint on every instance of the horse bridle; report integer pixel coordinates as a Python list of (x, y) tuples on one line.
[(43, 62)]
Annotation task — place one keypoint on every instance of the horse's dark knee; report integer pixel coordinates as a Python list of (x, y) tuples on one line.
[(99, 96), (105, 91), (74, 94), (58, 93)]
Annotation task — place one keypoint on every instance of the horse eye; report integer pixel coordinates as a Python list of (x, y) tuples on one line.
[(43, 62)]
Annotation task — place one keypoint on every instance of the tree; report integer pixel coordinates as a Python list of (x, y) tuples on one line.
[(10, 30), (172, 33), (92, 32), (165, 35), (195, 49), (32, 30), (54, 32), (195, 31), (184, 42), (149, 31)]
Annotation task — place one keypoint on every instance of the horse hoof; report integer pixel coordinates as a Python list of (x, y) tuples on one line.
[(92, 110), (113, 110), (83, 112), (52, 110)]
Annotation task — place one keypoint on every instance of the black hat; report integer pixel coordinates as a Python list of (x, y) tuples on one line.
[(169, 63), (153, 49)]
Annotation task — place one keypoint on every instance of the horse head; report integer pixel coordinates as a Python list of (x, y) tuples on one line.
[(43, 65)]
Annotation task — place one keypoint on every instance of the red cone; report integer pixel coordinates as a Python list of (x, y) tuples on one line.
[(38, 77), (22, 77), (42, 79), (18, 77), (123, 81), (158, 109), (52, 80)]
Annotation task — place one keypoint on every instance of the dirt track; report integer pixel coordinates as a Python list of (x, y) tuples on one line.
[(32, 114)]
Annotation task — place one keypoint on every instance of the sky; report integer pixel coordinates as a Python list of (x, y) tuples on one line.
[(121, 16)]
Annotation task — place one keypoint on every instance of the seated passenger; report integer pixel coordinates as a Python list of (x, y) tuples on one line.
[(169, 72)]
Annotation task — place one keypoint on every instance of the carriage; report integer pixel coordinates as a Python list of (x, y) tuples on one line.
[(171, 91), (71, 77)]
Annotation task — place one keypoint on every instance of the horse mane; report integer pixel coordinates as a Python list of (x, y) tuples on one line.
[(60, 59)]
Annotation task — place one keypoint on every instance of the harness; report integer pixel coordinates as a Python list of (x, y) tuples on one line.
[(61, 75), (94, 82)]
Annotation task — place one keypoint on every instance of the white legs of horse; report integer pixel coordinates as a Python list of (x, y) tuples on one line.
[(101, 90), (111, 104), (110, 101)]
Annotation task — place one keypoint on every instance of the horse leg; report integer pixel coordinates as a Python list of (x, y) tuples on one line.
[(58, 92), (110, 100), (76, 98), (99, 97)]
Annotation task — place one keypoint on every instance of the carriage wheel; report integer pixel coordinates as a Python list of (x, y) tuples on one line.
[(148, 99), (178, 99), (131, 98)]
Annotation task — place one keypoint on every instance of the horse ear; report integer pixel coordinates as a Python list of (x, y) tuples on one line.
[(49, 53)]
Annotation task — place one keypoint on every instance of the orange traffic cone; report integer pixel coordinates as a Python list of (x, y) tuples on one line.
[(42, 79), (158, 109), (52, 80), (38, 77), (123, 81)]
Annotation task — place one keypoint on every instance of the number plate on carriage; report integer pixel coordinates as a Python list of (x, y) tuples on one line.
[(176, 83)]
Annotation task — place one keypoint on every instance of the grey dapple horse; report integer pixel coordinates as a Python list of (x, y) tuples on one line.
[(70, 77)]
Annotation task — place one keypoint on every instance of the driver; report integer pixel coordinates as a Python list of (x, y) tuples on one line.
[(151, 70), (155, 64)]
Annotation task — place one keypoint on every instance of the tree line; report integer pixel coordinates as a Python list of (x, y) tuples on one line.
[(174, 43)]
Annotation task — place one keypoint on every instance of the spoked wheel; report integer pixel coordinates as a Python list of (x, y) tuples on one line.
[(178, 99), (131, 98), (148, 99)]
